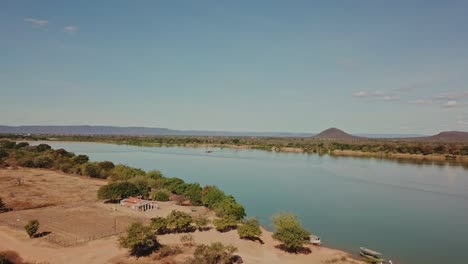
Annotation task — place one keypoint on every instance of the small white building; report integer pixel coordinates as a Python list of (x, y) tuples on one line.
[(139, 204)]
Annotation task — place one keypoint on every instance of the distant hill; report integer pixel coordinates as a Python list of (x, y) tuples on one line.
[(335, 134), (135, 131), (449, 136)]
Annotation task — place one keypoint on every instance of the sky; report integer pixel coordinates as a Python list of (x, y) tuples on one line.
[(377, 66)]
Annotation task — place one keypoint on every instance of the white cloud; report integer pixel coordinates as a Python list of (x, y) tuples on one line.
[(37, 23), (452, 103), (375, 95), (452, 96), (71, 29), (419, 101), (360, 94)]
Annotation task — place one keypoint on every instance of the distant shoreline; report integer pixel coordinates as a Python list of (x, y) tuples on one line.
[(416, 158)]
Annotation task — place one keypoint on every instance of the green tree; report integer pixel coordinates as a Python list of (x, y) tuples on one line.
[(229, 206), (43, 147), (161, 196), (225, 223), (43, 162), (3, 153), (178, 221), (139, 240), (216, 253), (91, 170), (159, 225), (32, 227), (141, 182), (81, 159), (7, 144), (211, 195), (117, 190), (194, 192), (123, 173), (249, 229), (174, 185), (289, 231), (106, 165), (154, 174)]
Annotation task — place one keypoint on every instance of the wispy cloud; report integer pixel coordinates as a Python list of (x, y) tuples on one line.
[(452, 96), (37, 23), (375, 95), (70, 29)]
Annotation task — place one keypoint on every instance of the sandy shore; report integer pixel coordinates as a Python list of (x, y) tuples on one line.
[(70, 214)]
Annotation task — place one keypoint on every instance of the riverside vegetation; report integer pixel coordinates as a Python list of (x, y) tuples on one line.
[(403, 148), (124, 181)]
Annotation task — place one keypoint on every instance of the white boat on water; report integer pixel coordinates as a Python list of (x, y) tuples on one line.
[(315, 240), (374, 256)]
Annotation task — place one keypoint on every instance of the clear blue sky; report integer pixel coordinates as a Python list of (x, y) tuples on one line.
[(299, 66)]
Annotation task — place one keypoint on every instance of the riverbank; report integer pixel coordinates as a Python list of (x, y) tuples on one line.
[(58, 211)]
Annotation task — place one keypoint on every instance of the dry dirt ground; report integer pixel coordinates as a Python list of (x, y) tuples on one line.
[(84, 230)]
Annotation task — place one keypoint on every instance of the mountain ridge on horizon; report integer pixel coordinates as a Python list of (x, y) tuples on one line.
[(155, 131)]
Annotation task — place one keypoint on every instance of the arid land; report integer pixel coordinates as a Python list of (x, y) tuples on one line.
[(78, 228)]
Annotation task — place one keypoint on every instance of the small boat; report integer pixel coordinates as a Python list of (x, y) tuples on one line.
[(374, 256), (315, 240), (208, 151), (369, 252)]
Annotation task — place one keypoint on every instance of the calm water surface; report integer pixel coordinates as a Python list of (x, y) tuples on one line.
[(412, 213)]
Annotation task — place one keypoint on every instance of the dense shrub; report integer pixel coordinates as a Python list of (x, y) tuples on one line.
[(66, 167), (167, 251), (26, 162), (106, 165), (225, 223), (21, 145), (174, 185), (139, 240), (161, 196), (159, 225), (91, 170), (117, 190), (194, 192), (43, 162), (211, 195), (178, 221), (154, 174), (229, 207), (32, 227), (201, 222), (141, 182), (7, 144), (187, 240), (123, 173), (249, 229), (3, 153), (81, 159), (43, 147)]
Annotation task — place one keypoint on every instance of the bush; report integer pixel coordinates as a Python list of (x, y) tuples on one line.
[(43, 162), (187, 240), (229, 207), (21, 145), (7, 144), (2, 205), (117, 190), (32, 227), (290, 232), (66, 167), (105, 165), (81, 159), (159, 225), (201, 222), (3, 153), (178, 221), (141, 182), (26, 162), (139, 240), (211, 195), (250, 229), (194, 192), (91, 170), (161, 196), (154, 174), (216, 253), (225, 224), (43, 147), (167, 251), (174, 185), (123, 173)]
